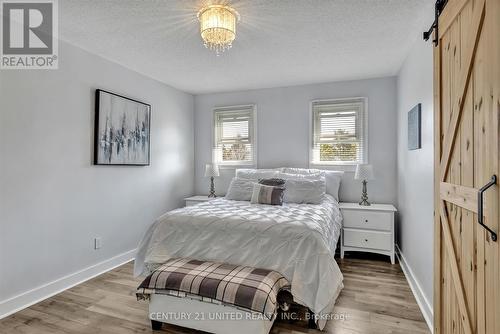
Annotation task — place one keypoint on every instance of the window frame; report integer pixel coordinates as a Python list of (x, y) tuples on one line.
[(337, 165), (252, 133)]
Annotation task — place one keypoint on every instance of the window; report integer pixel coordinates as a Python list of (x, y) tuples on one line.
[(339, 132), (234, 135)]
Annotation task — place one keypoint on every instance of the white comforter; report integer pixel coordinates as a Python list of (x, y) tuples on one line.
[(297, 240)]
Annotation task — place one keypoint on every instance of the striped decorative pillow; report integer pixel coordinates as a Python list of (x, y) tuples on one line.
[(263, 194)]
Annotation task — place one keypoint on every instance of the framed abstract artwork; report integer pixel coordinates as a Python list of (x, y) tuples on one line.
[(415, 128), (122, 130)]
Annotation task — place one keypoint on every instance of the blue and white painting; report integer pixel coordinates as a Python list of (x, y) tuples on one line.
[(122, 130)]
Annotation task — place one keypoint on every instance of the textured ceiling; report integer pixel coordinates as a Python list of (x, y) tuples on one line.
[(278, 43)]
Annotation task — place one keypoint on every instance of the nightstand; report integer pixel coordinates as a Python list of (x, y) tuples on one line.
[(197, 199), (367, 229)]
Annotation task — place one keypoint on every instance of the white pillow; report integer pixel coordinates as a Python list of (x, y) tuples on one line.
[(301, 171), (256, 174), (240, 189), (290, 176), (333, 179), (304, 191)]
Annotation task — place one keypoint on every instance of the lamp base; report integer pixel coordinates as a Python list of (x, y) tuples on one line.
[(212, 188), (364, 196)]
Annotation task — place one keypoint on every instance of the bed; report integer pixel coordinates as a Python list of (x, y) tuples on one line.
[(297, 240)]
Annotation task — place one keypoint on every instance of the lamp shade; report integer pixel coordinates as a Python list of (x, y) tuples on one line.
[(211, 170), (364, 172)]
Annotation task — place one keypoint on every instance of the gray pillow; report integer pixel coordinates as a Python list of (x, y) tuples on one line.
[(240, 189), (304, 191)]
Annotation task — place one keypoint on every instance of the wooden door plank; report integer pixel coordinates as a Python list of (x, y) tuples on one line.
[(479, 177), (480, 172), (492, 15), (471, 45), (455, 275), (443, 284), (437, 219), (489, 43), (464, 197), (468, 253), (454, 175)]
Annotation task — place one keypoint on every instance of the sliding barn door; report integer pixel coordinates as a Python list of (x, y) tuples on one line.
[(467, 111)]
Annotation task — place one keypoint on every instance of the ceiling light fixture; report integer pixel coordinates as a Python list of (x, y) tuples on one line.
[(218, 27)]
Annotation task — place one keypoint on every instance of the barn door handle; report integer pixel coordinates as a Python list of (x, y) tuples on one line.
[(488, 185)]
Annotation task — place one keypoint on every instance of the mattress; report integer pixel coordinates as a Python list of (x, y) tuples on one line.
[(296, 240)]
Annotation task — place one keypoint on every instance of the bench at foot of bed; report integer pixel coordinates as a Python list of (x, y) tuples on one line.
[(213, 297)]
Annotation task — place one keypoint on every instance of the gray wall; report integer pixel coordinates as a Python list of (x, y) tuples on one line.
[(415, 168), (53, 201), (283, 131)]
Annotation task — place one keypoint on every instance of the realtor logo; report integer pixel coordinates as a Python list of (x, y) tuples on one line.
[(29, 34)]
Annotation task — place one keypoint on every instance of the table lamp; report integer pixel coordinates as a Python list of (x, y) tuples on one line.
[(364, 172), (212, 170)]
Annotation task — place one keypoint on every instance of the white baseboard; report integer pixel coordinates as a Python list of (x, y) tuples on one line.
[(422, 301), (28, 298)]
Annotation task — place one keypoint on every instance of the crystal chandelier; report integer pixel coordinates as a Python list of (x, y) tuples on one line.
[(218, 27)]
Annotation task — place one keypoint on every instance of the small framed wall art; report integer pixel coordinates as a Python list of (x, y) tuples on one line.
[(415, 128)]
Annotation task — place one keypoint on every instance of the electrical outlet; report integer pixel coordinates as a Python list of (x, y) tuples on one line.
[(97, 243)]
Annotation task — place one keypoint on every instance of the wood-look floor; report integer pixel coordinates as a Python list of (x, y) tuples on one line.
[(376, 299)]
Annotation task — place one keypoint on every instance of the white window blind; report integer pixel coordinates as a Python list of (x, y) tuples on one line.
[(234, 138), (339, 132)]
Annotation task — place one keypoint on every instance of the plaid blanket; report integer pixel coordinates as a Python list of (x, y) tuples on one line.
[(244, 287)]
